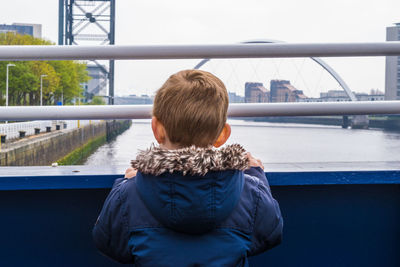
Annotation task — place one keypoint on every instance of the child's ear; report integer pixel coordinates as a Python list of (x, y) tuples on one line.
[(158, 130), (223, 136)]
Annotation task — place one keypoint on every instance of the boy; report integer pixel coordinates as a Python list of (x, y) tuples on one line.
[(190, 204)]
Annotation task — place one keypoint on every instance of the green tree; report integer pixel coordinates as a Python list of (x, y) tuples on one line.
[(63, 78), (51, 81), (72, 75), (97, 100)]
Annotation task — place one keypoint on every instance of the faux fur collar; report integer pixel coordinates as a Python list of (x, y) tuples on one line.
[(191, 160)]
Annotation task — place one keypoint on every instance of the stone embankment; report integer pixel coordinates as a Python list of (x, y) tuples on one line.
[(68, 146), (389, 122)]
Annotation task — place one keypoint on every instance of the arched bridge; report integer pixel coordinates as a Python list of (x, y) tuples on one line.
[(319, 61)]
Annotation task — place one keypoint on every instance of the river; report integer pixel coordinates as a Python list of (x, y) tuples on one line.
[(272, 143)]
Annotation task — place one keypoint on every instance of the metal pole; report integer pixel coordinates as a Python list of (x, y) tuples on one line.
[(111, 83), (41, 89), (8, 65), (60, 22), (66, 19), (6, 89), (27, 52), (69, 20), (112, 64), (235, 110)]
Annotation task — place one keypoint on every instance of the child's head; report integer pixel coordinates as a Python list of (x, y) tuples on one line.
[(191, 108)]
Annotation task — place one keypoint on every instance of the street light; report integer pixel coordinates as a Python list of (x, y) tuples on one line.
[(8, 65), (41, 88)]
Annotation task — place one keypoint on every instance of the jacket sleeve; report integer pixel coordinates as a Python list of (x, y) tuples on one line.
[(110, 233), (268, 222)]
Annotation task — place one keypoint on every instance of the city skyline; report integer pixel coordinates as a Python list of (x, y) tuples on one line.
[(180, 22)]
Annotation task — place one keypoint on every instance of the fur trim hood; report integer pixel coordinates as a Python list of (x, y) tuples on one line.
[(191, 160)]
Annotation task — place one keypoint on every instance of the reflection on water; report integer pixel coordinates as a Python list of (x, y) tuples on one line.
[(272, 142)]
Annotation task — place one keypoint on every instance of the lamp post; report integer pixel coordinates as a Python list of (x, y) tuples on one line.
[(8, 65), (41, 88)]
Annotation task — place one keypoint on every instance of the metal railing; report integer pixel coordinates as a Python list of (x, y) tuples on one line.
[(235, 110), (11, 130), (199, 51)]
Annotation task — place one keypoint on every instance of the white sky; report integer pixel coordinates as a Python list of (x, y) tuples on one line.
[(231, 21)]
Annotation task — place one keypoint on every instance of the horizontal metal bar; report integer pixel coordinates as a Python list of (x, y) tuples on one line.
[(235, 110), (314, 109), (199, 51), (287, 174), (76, 112)]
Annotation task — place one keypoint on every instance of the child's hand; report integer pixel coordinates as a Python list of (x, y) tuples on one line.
[(130, 173), (253, 162)]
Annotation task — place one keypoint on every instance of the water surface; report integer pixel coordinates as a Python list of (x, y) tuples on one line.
[(272, 143)]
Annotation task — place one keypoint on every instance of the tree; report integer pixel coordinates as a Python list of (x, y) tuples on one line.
[(97, 100), (72, 75), (63, 78)]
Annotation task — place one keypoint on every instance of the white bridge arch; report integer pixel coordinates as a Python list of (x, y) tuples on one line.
[(319, 61)]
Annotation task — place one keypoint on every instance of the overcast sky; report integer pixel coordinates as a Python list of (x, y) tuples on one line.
[(230, 21)]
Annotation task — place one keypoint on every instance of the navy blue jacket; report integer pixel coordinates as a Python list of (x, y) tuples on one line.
[(219, 219)]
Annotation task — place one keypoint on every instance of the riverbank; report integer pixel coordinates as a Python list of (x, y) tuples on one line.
[(79, 155), (390, 122), (67, 146)]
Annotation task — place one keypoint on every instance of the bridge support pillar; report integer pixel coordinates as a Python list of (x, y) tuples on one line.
[(345, 122)]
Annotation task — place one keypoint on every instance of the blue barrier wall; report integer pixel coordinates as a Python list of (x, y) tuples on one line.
[(332, 218)]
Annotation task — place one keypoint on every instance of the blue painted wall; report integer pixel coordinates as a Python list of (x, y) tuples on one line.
[(325, 225), (337, 225)]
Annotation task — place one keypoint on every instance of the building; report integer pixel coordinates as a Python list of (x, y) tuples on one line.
[(334, 96), (34, 30), (133, 100), (283, 91), (370, 97), (341, 96), (234, 98), (392, 76), (256, 93)]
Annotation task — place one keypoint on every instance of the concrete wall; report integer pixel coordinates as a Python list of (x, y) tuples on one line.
[(116, 127), (44, 151), (392, 123)]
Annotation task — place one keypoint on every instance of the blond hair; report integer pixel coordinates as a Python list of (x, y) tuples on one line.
[(192, 106)]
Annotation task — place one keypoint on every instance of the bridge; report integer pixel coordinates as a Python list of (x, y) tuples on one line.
[(358, 121), (336, 214), (319, 61)]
